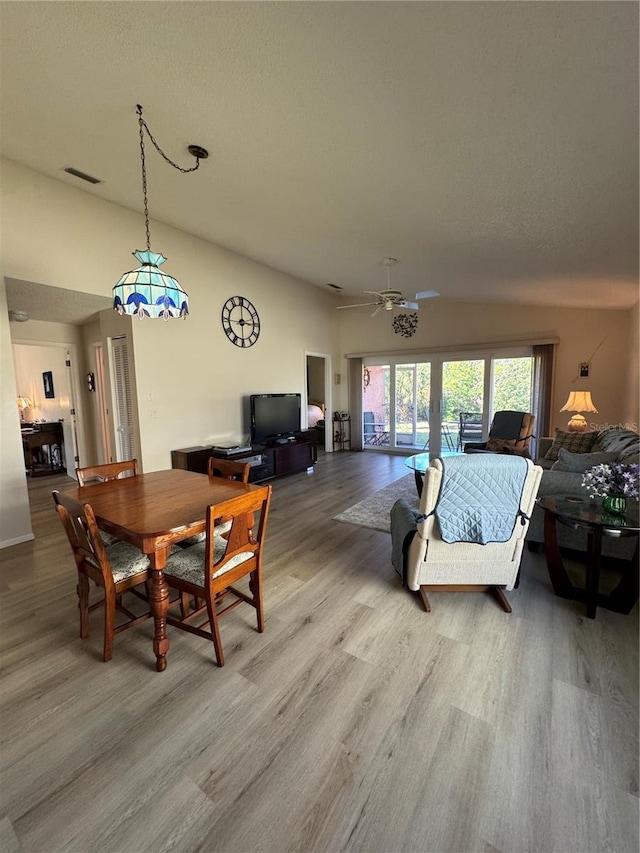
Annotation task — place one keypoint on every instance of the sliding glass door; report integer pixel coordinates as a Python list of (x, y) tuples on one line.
[(412, 403), (463, 402), (376, 394), (442, 401)]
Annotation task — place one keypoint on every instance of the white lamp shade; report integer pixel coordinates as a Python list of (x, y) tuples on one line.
[(579, 401)]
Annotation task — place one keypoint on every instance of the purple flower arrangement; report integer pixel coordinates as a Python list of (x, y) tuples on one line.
[(613, 479)]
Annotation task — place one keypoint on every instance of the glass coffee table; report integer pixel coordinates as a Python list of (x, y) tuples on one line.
[(584, 513), (418, 464)]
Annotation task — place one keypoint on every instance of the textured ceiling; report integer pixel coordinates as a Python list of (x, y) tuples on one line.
[(491, 147), (53, 304)]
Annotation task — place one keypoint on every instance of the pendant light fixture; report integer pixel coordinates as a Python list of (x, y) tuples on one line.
[(148, 291)]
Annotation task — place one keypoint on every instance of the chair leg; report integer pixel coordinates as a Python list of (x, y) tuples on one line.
[(502, 599), (184, 604), (109, 625), (83, 605), (255, 586), (425, 599), (215, 630)]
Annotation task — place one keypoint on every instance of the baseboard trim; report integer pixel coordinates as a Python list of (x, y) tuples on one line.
[(7, 543)]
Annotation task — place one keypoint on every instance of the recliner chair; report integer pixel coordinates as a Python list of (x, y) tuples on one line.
[(510, 432), (464, 566)]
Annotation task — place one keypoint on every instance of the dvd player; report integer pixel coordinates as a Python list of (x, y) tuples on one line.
[(231, 450)]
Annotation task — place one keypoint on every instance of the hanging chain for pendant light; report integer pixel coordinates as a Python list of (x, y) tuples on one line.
[(198, 152)]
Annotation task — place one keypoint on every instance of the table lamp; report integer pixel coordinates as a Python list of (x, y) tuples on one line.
[(24, 403), (579, 401)]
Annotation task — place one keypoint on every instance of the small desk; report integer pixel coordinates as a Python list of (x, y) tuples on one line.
[(153, 512), (580, 512), (42, 446)]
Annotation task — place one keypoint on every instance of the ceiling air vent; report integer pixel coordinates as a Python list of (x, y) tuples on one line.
[(334, 286), (77, 174)]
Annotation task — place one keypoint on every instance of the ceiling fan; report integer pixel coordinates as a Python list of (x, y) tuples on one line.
[(389, 299)]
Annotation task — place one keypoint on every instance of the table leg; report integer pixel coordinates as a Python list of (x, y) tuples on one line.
[(560, 580), (594, 547), (624, 596), (159, 603)]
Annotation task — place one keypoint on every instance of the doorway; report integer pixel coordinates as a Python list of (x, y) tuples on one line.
[(47, 377), (318, 394)]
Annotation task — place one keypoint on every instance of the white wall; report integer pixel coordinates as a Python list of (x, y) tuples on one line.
[(191, 381), (632, 387), (15, 522), (445, 323)]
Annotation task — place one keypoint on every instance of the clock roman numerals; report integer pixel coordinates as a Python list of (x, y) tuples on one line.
[(240, 321)]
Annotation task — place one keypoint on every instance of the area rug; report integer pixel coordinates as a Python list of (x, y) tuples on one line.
[(374, 511)]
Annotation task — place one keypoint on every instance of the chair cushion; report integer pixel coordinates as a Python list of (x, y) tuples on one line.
[(126, 560), (497, 445), (187, 564), (574, 442), (225, 527), (578, 463)]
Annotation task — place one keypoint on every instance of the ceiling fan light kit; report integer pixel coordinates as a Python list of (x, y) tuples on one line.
[(389, 299)]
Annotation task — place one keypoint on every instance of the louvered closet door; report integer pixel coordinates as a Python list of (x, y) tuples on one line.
[(123, 403)]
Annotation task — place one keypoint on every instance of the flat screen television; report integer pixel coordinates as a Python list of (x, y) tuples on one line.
[(274, 417)]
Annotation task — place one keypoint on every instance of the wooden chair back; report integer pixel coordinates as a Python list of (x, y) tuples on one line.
[(92, 563), (108, 471), (243, 535), (84, 538), (227, 469)]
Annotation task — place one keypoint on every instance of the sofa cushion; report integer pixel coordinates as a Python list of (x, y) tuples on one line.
[(574, 442), (623, 442), (578, 463)]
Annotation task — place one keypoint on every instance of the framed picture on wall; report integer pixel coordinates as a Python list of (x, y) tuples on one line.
[(47, 381)]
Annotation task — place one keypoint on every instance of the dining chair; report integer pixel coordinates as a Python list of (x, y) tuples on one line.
[(207, 570), (117, 568), (108, 471), (225, 469), (101, 474), (228, 469)]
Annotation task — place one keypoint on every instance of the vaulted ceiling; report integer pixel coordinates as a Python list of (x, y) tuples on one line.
[(492, 148)]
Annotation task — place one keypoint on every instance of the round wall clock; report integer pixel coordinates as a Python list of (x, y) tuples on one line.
[(240, 321)]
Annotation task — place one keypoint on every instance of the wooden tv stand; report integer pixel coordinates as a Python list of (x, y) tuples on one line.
[(267, 462)]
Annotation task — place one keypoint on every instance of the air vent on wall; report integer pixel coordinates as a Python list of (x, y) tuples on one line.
[(83, 177), (334, 286)]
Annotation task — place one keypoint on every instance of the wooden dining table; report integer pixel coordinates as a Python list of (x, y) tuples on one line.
[(154, 511)]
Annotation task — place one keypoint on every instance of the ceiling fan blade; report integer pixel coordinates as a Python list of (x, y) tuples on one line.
[(360, 305), (427, 294), (379, 307), (372, 292), (412, 305)]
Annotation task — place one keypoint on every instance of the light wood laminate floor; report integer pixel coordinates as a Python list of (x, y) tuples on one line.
[(356, 722)]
